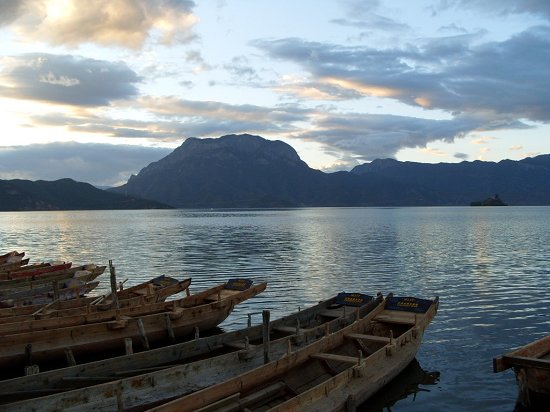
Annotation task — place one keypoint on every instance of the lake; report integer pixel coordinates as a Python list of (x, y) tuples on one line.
[(489, 267)]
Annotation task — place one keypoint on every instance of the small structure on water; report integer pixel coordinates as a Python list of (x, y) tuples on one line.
[(490, 201)]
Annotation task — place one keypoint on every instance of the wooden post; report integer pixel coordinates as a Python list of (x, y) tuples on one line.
[(350, 404), (30, 369), (265, 333), (70, 357), (144, 340), (28, 355), (128, 346), (114, 296), (169, 328), (55, 290)]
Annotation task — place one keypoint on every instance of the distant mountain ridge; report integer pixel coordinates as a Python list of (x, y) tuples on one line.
[(64, 194), (246, 171), (250, 171)]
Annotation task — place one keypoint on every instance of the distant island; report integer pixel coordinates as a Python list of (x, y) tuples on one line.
[(490, 201)]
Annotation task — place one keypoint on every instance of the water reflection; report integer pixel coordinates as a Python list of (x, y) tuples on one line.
[(408, 385)]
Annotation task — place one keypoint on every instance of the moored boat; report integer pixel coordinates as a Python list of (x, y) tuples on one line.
[(175, 319), (86, 273), (531, 365), (11, 256), (337, 372), (33, 272), (140, 294), (164, 373), (72, 289), (13, 265), (88, 313)]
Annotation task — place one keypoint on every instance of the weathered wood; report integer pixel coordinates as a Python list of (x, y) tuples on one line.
[(265, 335), (152, 387), (142, 334), (335, 357), (370, 338), (324, 392), (169, 328), (70, 357), (105, 336), (114, 295), (128, 348), (86, 313), (169, 357), (526, 362)]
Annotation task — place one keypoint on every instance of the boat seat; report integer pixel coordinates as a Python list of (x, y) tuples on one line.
[(395, 319), (334, 357), (332, 314), (370, 338), (288, 329), (237, 345)]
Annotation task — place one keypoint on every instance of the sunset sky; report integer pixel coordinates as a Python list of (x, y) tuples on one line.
[(96, 90)]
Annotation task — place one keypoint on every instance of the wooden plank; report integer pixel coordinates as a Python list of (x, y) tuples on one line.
[(386, 318), (288, 329), (334, 357), (370, 338), (332, 313), (526, 362)]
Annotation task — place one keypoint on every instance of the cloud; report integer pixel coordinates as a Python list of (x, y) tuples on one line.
[(201, 118), (502, 81), (126, 23), (369, 136), (10, 10), (99, 164), (66, 79), (501, 7), (461, 156)]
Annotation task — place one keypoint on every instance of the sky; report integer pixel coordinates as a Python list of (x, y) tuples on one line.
[(96, 90)]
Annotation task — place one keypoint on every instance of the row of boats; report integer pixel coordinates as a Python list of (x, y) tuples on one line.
[(150, 346), (144, 348)]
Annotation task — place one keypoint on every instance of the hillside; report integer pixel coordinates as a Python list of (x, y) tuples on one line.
[(245, 171), (249, 171), (64, 194)]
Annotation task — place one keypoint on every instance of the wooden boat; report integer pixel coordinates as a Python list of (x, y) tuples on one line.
[(337, 372), (86, 314), (531, 364), (35, 271), (13, 265), (6, 257), (27, 283), (141, 294), (175, 319), (42, 296), (159, 379)]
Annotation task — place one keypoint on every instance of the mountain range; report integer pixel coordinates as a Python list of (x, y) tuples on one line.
[(64, 194), (246, 171), (249, 171)]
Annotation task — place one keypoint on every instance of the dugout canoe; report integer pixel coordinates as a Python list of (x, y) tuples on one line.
[(531, 365), (175, 319), (27, 283), (42, 296), (141, 294), (13, 255), (34, 272), (335, 373), (158, 375), (131, 305), (11, 266)]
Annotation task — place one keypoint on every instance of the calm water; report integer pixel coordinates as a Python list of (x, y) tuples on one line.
[(489, 266)]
